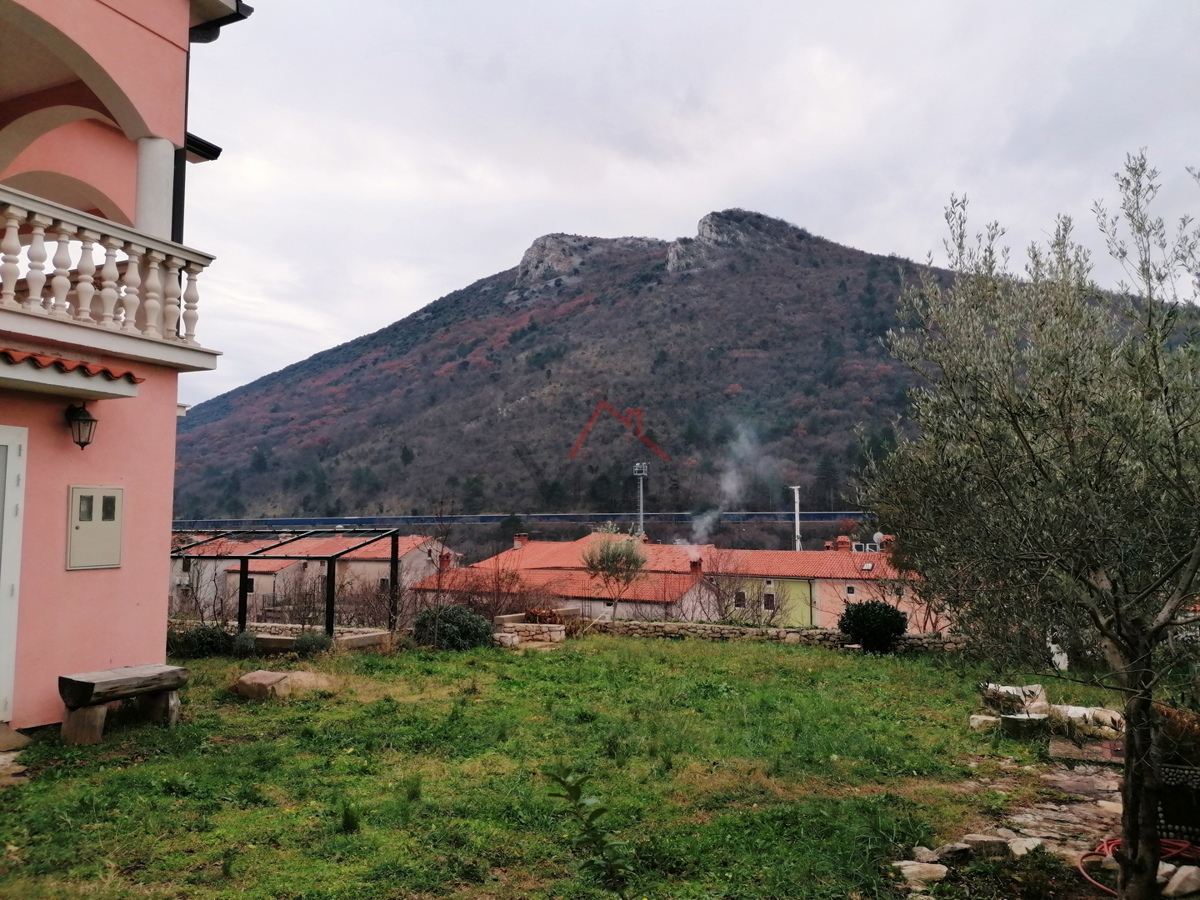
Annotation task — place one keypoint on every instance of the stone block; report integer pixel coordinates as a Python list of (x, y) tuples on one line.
[(983, 723), (1023, 725), (791, 638), (1186, 880), (505, 640), (986, 844), (367, 639), (11, 739), (924, 855), (919, 874), (954, 854), (262, 685), (1018, 847)]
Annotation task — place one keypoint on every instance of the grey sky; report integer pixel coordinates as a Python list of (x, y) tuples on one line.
[(381, 153)]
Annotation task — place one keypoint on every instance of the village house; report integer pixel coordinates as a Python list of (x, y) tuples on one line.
[(99, 310), (783, 588), (205, 579), (552, 573), (812, 587)]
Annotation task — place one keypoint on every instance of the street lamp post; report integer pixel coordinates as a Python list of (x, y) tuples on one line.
[(641, 471), (796, 498)]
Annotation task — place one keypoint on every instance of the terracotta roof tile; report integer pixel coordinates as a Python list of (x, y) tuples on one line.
[(41, 361), (835, 564)]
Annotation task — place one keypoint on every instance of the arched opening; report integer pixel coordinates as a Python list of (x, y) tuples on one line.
[(69, 192)]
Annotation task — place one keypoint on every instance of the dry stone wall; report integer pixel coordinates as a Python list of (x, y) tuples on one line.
[(809, 637)]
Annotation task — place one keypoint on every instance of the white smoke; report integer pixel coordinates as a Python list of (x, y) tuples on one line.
[(743, 459)]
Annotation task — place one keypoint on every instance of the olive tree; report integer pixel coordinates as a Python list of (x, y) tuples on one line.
[(1051, 492), (616, 561)]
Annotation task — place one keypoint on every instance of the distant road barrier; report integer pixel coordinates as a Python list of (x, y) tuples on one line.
[(349, 522)]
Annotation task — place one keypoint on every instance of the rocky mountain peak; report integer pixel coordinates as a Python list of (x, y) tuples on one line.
[(719, 232)]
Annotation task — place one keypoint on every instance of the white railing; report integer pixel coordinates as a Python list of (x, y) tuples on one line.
[(101, 273)]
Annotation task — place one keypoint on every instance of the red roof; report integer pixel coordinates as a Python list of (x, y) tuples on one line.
[(557, 567), (841, 565), (569, 555), (41, 361)]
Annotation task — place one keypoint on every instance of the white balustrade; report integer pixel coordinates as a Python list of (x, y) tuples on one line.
[(141, 285)]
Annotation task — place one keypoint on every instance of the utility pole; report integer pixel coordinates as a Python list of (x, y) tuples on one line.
[(796, 498), (640, 471)]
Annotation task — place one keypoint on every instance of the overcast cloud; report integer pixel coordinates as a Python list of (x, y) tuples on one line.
[(381, 153)]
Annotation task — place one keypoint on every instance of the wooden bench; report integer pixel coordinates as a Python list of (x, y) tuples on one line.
[(88, 694)]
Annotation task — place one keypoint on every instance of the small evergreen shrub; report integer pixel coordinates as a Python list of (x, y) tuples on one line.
[(245, 645), (873, 624), (203, 640), (451, 628), (309, 643)]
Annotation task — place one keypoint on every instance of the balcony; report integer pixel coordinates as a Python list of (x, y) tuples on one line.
[(75, 279)]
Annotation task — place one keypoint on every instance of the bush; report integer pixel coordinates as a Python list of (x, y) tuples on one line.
[(874, 624), (203, 640), (452, 628), (245, 645), (309, 643)]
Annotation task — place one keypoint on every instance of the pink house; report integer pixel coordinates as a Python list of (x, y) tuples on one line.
[(98, 316)]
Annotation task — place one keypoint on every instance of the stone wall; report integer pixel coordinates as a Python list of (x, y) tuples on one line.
[(510, 634), (809, 637)]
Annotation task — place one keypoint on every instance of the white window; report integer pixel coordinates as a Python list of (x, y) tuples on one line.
[(849, 590), (768, 601), (249, 585), (739, 600), (384, 583)]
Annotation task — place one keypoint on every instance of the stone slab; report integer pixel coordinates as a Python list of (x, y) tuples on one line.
[(11, 739)]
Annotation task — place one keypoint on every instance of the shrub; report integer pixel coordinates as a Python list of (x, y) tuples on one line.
[(874, 624), (452, 628), (244, 645), (203, 640), (309, 643)]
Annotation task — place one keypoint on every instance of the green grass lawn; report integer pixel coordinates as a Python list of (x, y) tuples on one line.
[(743, 770)]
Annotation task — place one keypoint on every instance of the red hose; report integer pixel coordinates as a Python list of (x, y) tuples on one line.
[(1181, 850)]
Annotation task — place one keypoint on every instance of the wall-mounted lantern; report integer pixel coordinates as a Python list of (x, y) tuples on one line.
[(82, 424)]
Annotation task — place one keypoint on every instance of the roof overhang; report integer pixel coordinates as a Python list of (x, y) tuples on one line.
[(67, 378)]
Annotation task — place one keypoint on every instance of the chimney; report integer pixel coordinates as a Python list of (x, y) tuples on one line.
[(695, 566), (520, 540), (829, 545), (843, 543), (444, 560)]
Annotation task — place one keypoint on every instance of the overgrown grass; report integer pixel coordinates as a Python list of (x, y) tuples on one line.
[(735, 771)]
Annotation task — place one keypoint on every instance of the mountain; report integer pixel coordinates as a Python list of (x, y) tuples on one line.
[(751, 349)]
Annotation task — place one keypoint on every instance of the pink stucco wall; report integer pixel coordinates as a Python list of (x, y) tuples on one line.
[(87, 151), (78, 621), (132, 53), (831, 598)]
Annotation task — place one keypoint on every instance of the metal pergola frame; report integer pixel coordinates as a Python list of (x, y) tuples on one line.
[(330, 560)]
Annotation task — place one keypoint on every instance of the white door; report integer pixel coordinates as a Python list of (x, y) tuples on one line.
[(13, 443)]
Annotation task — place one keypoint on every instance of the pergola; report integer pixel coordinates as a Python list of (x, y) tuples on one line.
[(272, 551)]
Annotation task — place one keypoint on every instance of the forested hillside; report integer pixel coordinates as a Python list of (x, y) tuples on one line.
[(752, 350)]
